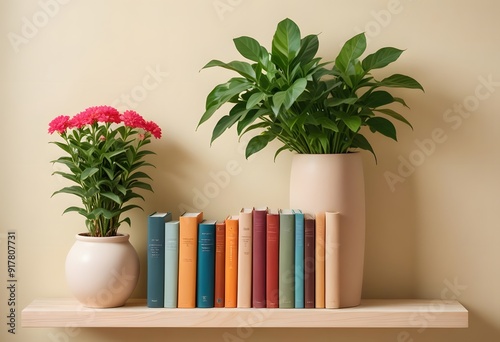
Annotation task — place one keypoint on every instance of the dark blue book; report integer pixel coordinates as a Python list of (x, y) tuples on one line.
[(299, 258), (156, 258), (205, 269)]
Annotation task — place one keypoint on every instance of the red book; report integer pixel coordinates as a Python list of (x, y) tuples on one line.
[(272, 259), (309, 264), (220, 263), (259, 258)]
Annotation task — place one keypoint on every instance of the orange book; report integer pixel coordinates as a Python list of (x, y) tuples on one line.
[(244, 294), (320, 260), (220, 263), (230, 297), (188, 248)]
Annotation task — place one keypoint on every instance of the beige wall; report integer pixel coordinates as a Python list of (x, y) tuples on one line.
[(432, 233)]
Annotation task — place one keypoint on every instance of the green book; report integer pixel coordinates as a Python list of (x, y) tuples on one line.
[(286, 283)]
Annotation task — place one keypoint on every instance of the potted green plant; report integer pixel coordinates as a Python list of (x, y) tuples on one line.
[(319, 110), (104, 154)]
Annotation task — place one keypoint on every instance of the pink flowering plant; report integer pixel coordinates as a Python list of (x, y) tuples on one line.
[(104, 153)]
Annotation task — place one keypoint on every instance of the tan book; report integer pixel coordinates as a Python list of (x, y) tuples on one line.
[(332, 260), (188, 249), (244, 293), (320, 261)]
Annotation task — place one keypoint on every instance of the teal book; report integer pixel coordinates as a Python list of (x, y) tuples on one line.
[(299, 258), (205, 269), (156, 258), (286, 282), (171, 264)]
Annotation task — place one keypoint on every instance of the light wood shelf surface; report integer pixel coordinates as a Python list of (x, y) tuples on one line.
[(372, 313)]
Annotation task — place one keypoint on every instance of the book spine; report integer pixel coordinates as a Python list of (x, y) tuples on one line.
[(206, 265), (286, 260), (299, 259), (188, 248), (220, 263), (320, 261), (231, 262), (272, 260), (259, 258), (244, 293), (156, 259), (309, 263), (332, 256), (171, 263)]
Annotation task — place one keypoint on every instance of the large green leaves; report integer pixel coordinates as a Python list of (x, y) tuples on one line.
[(290, 95), (285, 44)]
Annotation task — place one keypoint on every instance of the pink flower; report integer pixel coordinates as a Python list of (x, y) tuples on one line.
[(95, 114), (59, 124), (153, 128), (132, 119)]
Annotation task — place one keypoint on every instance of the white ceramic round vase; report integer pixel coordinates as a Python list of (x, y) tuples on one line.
[(102, 272), (335, 182)]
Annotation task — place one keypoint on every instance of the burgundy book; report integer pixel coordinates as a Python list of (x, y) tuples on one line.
[(220, 263), (272, 259), (309, 264), (259, 258)]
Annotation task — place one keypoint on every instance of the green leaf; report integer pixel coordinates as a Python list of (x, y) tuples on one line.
[(400, 81), (248, 47), (222, 94), (255, 99), (353, 122), (381, 58), (242, 68), (257, 143), (286, 43), (308, 48), (335, 101), (351, 51), (88, 173), (278, 100), (115, 198), (359, 141), (376, 99), (382, 125), (394, 115), (327, 123), (295, 90)]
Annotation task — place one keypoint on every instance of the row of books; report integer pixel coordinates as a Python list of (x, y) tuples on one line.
[(259, 258)]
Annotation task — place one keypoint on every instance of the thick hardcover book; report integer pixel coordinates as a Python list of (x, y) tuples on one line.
[(309, 263), (299, 258), (259, 258), (188, 248), (272, 259), (320, 261), (230, 298), (332, 256), (220, 263), (156, 258), (171, 263), (287, 259), (244, 293), (205, 271)]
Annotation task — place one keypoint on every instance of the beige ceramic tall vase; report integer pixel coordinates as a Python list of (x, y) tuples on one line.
[(335, 182)]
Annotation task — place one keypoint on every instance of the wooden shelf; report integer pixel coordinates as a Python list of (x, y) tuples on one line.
[(372, 313)]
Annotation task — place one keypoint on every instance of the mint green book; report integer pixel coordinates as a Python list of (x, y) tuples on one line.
[(171, 263), (299, 258), (286, 283)]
